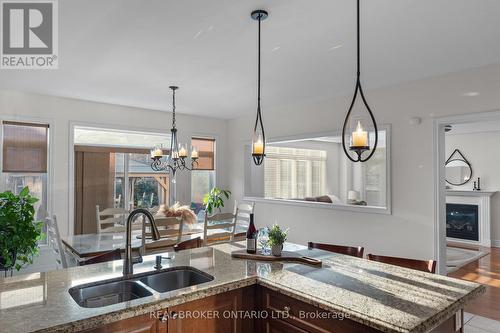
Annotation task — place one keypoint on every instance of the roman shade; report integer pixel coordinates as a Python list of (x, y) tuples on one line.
[(25, 147), (206, 151)]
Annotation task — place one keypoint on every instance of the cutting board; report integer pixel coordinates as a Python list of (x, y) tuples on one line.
[(286, 256)]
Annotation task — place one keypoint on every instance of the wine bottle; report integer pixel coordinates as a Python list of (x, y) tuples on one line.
[(251, 237)]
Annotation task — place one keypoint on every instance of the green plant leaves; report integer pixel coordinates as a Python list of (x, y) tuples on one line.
[(277, 236), (19, 233), (214, 199)]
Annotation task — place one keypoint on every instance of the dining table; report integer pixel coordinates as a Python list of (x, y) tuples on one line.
[(90, 245)]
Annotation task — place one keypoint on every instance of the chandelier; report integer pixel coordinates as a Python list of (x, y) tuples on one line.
[(177, 157)]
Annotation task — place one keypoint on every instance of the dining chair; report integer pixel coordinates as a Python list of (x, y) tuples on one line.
[(105, 257), (219, 228), (428, 266), (242, 212), (188, 244), (170, 229), (347, 250), (112, 220), (54, 239)]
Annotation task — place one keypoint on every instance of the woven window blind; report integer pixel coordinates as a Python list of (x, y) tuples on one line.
[(294, 173), (25, 147), (206, 152)]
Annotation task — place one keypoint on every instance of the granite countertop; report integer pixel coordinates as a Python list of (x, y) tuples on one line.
[(385, 297)]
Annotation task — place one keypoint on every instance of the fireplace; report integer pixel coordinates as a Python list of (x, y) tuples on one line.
[(462, 221)]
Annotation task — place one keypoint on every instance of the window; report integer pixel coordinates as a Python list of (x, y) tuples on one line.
[(25, 161), (203, 175), (113, 169), (294, 173)]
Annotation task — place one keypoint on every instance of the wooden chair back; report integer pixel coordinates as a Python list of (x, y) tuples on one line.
[(189, 244), (428, 266), (170, 229), (347, 250), (111, 219), (242, 212), (105, 257), (225, 228), (54, 239)]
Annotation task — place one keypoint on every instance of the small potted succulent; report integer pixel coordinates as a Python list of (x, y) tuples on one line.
[(277, 237)]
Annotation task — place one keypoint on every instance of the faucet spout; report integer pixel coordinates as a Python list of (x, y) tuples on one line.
[(128, 263)]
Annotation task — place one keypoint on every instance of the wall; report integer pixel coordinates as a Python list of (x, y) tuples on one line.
[(481, 150), (62, 111), (409, 231)]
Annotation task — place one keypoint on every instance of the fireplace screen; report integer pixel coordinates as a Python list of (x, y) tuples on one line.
[(462, 221)]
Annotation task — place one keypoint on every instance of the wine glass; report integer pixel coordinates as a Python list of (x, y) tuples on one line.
[(263, 239)]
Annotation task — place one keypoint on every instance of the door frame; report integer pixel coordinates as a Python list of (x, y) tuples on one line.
[(439, 177), (71, 162)]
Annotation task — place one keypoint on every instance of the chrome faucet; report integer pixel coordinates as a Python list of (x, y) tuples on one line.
[(128, 261)]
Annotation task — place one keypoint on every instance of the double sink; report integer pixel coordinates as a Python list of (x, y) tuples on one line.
[(103, 293)]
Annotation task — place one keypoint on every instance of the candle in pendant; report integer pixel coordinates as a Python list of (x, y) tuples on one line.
[(194, 153), (156, 152), (175, 155), (258, 147), (359, 137), (183, 152)]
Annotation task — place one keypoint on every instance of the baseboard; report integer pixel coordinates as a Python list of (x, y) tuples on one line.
[(495, 243)]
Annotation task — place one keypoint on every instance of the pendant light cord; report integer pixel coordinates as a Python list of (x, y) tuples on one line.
[(358, 35), (258, 69)]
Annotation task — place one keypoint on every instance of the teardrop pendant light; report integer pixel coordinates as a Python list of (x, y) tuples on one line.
[(356, 127), (259, 137)]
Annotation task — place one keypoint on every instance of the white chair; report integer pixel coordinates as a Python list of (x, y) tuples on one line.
[(220, 232), (170, 229), (112, 220), (242, 212), (54, 239)]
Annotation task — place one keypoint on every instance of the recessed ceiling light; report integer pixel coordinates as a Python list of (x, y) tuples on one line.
[(198, 34), (276, 48), (471, 94), (334, 47)]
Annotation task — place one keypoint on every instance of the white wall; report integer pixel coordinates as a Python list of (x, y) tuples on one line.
[(62, 111), (409, 231), (481, 150)]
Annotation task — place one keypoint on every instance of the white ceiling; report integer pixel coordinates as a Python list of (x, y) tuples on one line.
[(129, 52)]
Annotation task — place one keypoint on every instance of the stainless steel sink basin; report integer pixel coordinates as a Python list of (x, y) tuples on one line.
[(107, 293), (176, 278)]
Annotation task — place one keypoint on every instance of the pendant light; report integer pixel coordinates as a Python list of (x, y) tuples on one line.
[(259, 137), (356, 126)]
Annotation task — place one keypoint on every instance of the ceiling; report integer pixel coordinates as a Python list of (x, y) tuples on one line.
[(129, 52)]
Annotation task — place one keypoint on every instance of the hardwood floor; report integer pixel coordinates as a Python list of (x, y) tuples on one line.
[(486, 270)]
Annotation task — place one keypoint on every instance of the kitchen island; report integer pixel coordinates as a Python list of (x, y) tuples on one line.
[(355, 295)]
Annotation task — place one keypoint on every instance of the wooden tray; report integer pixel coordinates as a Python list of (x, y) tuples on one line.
[(286, 256)]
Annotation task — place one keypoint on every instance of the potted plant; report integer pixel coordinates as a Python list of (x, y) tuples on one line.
[(19, 233), (215, 199), (277, 237)]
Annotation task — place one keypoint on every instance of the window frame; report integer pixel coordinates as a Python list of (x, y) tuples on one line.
[(216, 170), (51, 133)]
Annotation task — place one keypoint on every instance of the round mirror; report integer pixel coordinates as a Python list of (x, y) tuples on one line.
[(458, 172)]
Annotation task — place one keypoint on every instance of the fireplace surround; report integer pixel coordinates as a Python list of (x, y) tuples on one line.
[(462, 210)]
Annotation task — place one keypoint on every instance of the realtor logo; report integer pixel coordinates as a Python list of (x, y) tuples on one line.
[(29, 34)]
